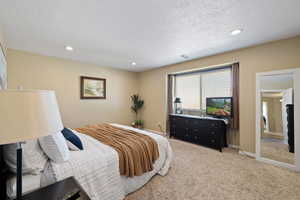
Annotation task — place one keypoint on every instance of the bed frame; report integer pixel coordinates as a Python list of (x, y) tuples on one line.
[(3, 175)]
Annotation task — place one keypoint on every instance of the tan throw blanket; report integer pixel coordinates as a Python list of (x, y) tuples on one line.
[(137, 152)]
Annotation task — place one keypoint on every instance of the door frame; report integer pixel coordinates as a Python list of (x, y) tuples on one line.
[(296, 86)]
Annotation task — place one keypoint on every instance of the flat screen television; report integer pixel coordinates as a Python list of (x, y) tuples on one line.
[(219, 106)]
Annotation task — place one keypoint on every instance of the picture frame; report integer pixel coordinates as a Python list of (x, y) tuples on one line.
[(92, 88)]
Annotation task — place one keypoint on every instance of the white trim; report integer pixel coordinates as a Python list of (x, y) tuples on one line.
[(277, 163), (297, 118), (269, 161), (296, 81), (247, 153), (258, 116), (272, 90), (277, 72)]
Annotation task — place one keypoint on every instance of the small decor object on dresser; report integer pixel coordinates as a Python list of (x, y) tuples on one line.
[(92, 88), (178, 106)]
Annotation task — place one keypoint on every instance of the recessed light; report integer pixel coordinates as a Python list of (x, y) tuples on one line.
[(236, 31), (133, 63), (68, 48), (184, 56)]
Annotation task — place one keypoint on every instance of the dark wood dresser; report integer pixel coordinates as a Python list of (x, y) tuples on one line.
[(209, 132)]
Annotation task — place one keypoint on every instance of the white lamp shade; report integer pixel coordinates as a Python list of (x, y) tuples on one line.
[(28, 114)]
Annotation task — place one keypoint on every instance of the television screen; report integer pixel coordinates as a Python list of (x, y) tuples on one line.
[(220, 107)]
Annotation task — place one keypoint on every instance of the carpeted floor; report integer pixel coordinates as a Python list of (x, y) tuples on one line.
[(276, 150), (200, 173)]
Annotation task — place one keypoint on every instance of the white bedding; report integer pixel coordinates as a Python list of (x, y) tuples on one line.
[(97, 171), (161, 165), (30, 183)]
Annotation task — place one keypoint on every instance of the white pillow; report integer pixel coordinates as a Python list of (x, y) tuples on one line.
[(55, 147), (33, 161), (72, 147)]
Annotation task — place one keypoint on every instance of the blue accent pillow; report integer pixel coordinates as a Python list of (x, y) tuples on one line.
[(73, 141)]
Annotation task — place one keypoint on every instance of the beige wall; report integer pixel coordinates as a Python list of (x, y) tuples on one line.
[(41, 72), (274, 114), (277, 55)]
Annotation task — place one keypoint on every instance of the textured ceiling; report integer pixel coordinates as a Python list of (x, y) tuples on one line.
[(152, 33)]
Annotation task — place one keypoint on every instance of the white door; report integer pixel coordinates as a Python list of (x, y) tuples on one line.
[(287, 98)]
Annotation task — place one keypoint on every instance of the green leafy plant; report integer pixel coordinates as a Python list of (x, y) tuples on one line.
[(137, 104), (139, 123)]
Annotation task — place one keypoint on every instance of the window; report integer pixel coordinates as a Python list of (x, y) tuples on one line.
[(193, 89), (216, 84), (188, 89)]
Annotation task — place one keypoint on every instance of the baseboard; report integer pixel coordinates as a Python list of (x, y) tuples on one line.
[(233, 146), (252, 155), (278, 163)]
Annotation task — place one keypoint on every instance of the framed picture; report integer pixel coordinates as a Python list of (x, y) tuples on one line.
[(92, 88)]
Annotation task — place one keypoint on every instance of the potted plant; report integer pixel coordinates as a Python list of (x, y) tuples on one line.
[(137, 104), (138, 124)]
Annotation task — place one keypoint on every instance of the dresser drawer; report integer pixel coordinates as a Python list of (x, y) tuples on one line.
[(196, 138), (196, 135), (187, 135), (212, 134)]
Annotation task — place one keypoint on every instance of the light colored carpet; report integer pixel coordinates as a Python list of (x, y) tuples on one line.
[(272, 135), (200, 173), (276, 150)]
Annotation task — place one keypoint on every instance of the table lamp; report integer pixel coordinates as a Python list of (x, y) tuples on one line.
[(178, 106), (25, 115)]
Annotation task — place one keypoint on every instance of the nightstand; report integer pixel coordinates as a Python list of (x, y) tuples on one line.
[(67, 189)]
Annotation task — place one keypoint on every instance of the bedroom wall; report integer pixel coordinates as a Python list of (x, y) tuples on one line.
[(283, 54), (48, 73), (274, 114)]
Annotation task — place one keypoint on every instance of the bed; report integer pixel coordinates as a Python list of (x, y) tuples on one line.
[(96, 169)]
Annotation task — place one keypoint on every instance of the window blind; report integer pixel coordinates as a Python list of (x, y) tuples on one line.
[(187, 88), (216, 84), (194, 88)]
